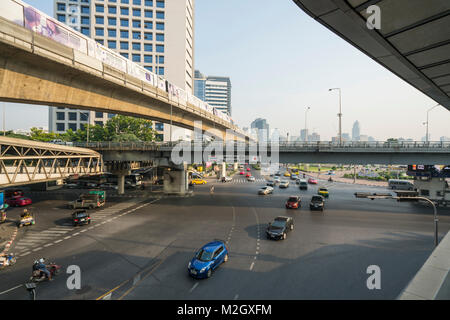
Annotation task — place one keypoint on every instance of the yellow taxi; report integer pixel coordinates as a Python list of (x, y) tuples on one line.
[(197, 181), (323, 192), (287, 174)]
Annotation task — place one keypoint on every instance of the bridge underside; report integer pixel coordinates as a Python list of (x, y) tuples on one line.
[(37, 70), (413, 40)]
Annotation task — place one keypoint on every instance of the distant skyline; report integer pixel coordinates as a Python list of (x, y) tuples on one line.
[(279, 69)]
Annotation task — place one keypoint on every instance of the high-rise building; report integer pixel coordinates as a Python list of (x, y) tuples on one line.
[(445, 139), (262, 129), (157, 34), (304, 135), (314, 137), (356, 131), (214, 90)]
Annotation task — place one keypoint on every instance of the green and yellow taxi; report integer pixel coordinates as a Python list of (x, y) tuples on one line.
[(323, 192)]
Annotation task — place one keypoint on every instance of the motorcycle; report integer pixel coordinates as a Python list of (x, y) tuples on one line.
[(7, 260), (329, 179), (39, 275)]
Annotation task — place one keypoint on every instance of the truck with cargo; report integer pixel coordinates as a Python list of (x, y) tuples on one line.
[(92, 199)]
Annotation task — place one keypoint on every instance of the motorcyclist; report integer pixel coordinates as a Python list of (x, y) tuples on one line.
[(40, 265)]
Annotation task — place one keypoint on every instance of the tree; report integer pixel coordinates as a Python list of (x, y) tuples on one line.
[(119, 125)]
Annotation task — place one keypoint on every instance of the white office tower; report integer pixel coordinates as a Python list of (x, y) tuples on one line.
[(157, 34)]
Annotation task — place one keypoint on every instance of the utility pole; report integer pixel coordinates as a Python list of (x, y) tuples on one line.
[(306, 128), (428, 111)]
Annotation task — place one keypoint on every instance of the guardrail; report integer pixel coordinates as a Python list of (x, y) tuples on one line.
[(432, 145)]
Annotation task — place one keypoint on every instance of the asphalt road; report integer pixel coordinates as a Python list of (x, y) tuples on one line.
[(139, 248)]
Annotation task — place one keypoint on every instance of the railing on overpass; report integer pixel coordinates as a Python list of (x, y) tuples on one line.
[(27, 161), (283, 146)]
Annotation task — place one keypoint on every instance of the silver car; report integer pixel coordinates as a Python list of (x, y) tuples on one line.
[(251, 179), (265, 190), (284, 184)]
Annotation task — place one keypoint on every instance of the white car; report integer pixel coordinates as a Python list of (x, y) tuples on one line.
[(226, 179), (265, 190), (284, 184), (251, 179)]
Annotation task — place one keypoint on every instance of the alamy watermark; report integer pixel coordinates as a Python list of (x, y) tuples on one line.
[(212, 146), (374, 280), (374, 18)]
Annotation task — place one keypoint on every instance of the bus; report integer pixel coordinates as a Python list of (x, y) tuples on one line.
[(135, 179)]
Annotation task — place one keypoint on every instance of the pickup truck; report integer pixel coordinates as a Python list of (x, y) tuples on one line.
[(91, 200)]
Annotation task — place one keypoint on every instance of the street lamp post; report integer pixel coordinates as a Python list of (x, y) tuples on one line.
[(428, 111), (306, 128), (339, 114), (405, 198)]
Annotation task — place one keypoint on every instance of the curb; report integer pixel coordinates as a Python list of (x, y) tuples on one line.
[(10, 242)]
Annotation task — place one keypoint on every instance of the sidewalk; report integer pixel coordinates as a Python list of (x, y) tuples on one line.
[(8, 230)]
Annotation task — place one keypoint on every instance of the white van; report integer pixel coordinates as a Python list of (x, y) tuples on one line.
[(396, 184)]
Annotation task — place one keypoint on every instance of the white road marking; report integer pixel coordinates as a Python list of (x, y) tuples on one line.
[(11, 289), (48, 244), (195, 286), (37, 249), (25, 254), (58, 241), (236, 297), (68, 237), (75, 234), (251, 266)]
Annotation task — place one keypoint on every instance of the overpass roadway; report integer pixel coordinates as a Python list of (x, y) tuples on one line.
[(413, 40), (38, 70), (298, 152)]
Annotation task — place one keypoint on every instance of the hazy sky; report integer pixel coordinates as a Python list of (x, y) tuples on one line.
[(280, 61)]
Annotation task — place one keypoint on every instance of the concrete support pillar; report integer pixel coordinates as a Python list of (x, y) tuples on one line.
[(223, 170), (120, 183), (176, 181), (235, 166)]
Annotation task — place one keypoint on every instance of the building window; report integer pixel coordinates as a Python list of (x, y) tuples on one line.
[(149, 3), (85, 9), (99, 32), (123, 45), (161, 71), (125, 1), (61, 7), (136, 24), (99, 41), (84, 116), (72, 126), (85, 31), (112, 33), (148, 47), (159, 48), (98, 114), (160, 37), (112, 21), (159, 126), (136, 46), (124, 34), (137, 12), (136, 57), (137, 2), (161, 59), (159, 26), (61, 18), (148, 14), (159, 15), (149, 68), (60, 126), (60, 116), (148, 59), (136, 35), (159, 4), (99, 20), (84, 20), (148, 25), (124, 22), (148, 36), (125, 55), (100, 123), (72, 116), (112, 10), (124, 11), (112, 44), (99, 8)]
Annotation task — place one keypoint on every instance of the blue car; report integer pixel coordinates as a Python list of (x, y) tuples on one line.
[(207, 259)]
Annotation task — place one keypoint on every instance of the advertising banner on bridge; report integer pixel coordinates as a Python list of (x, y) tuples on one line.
[(424, 170), (50, 28)]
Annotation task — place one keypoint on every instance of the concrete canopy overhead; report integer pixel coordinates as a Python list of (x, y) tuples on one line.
[(413, 41)]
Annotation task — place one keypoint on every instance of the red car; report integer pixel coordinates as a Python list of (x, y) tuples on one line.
[(248, 175), (248, 169), (312, 181), (18, 201), (242, 173), (293, 202)]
